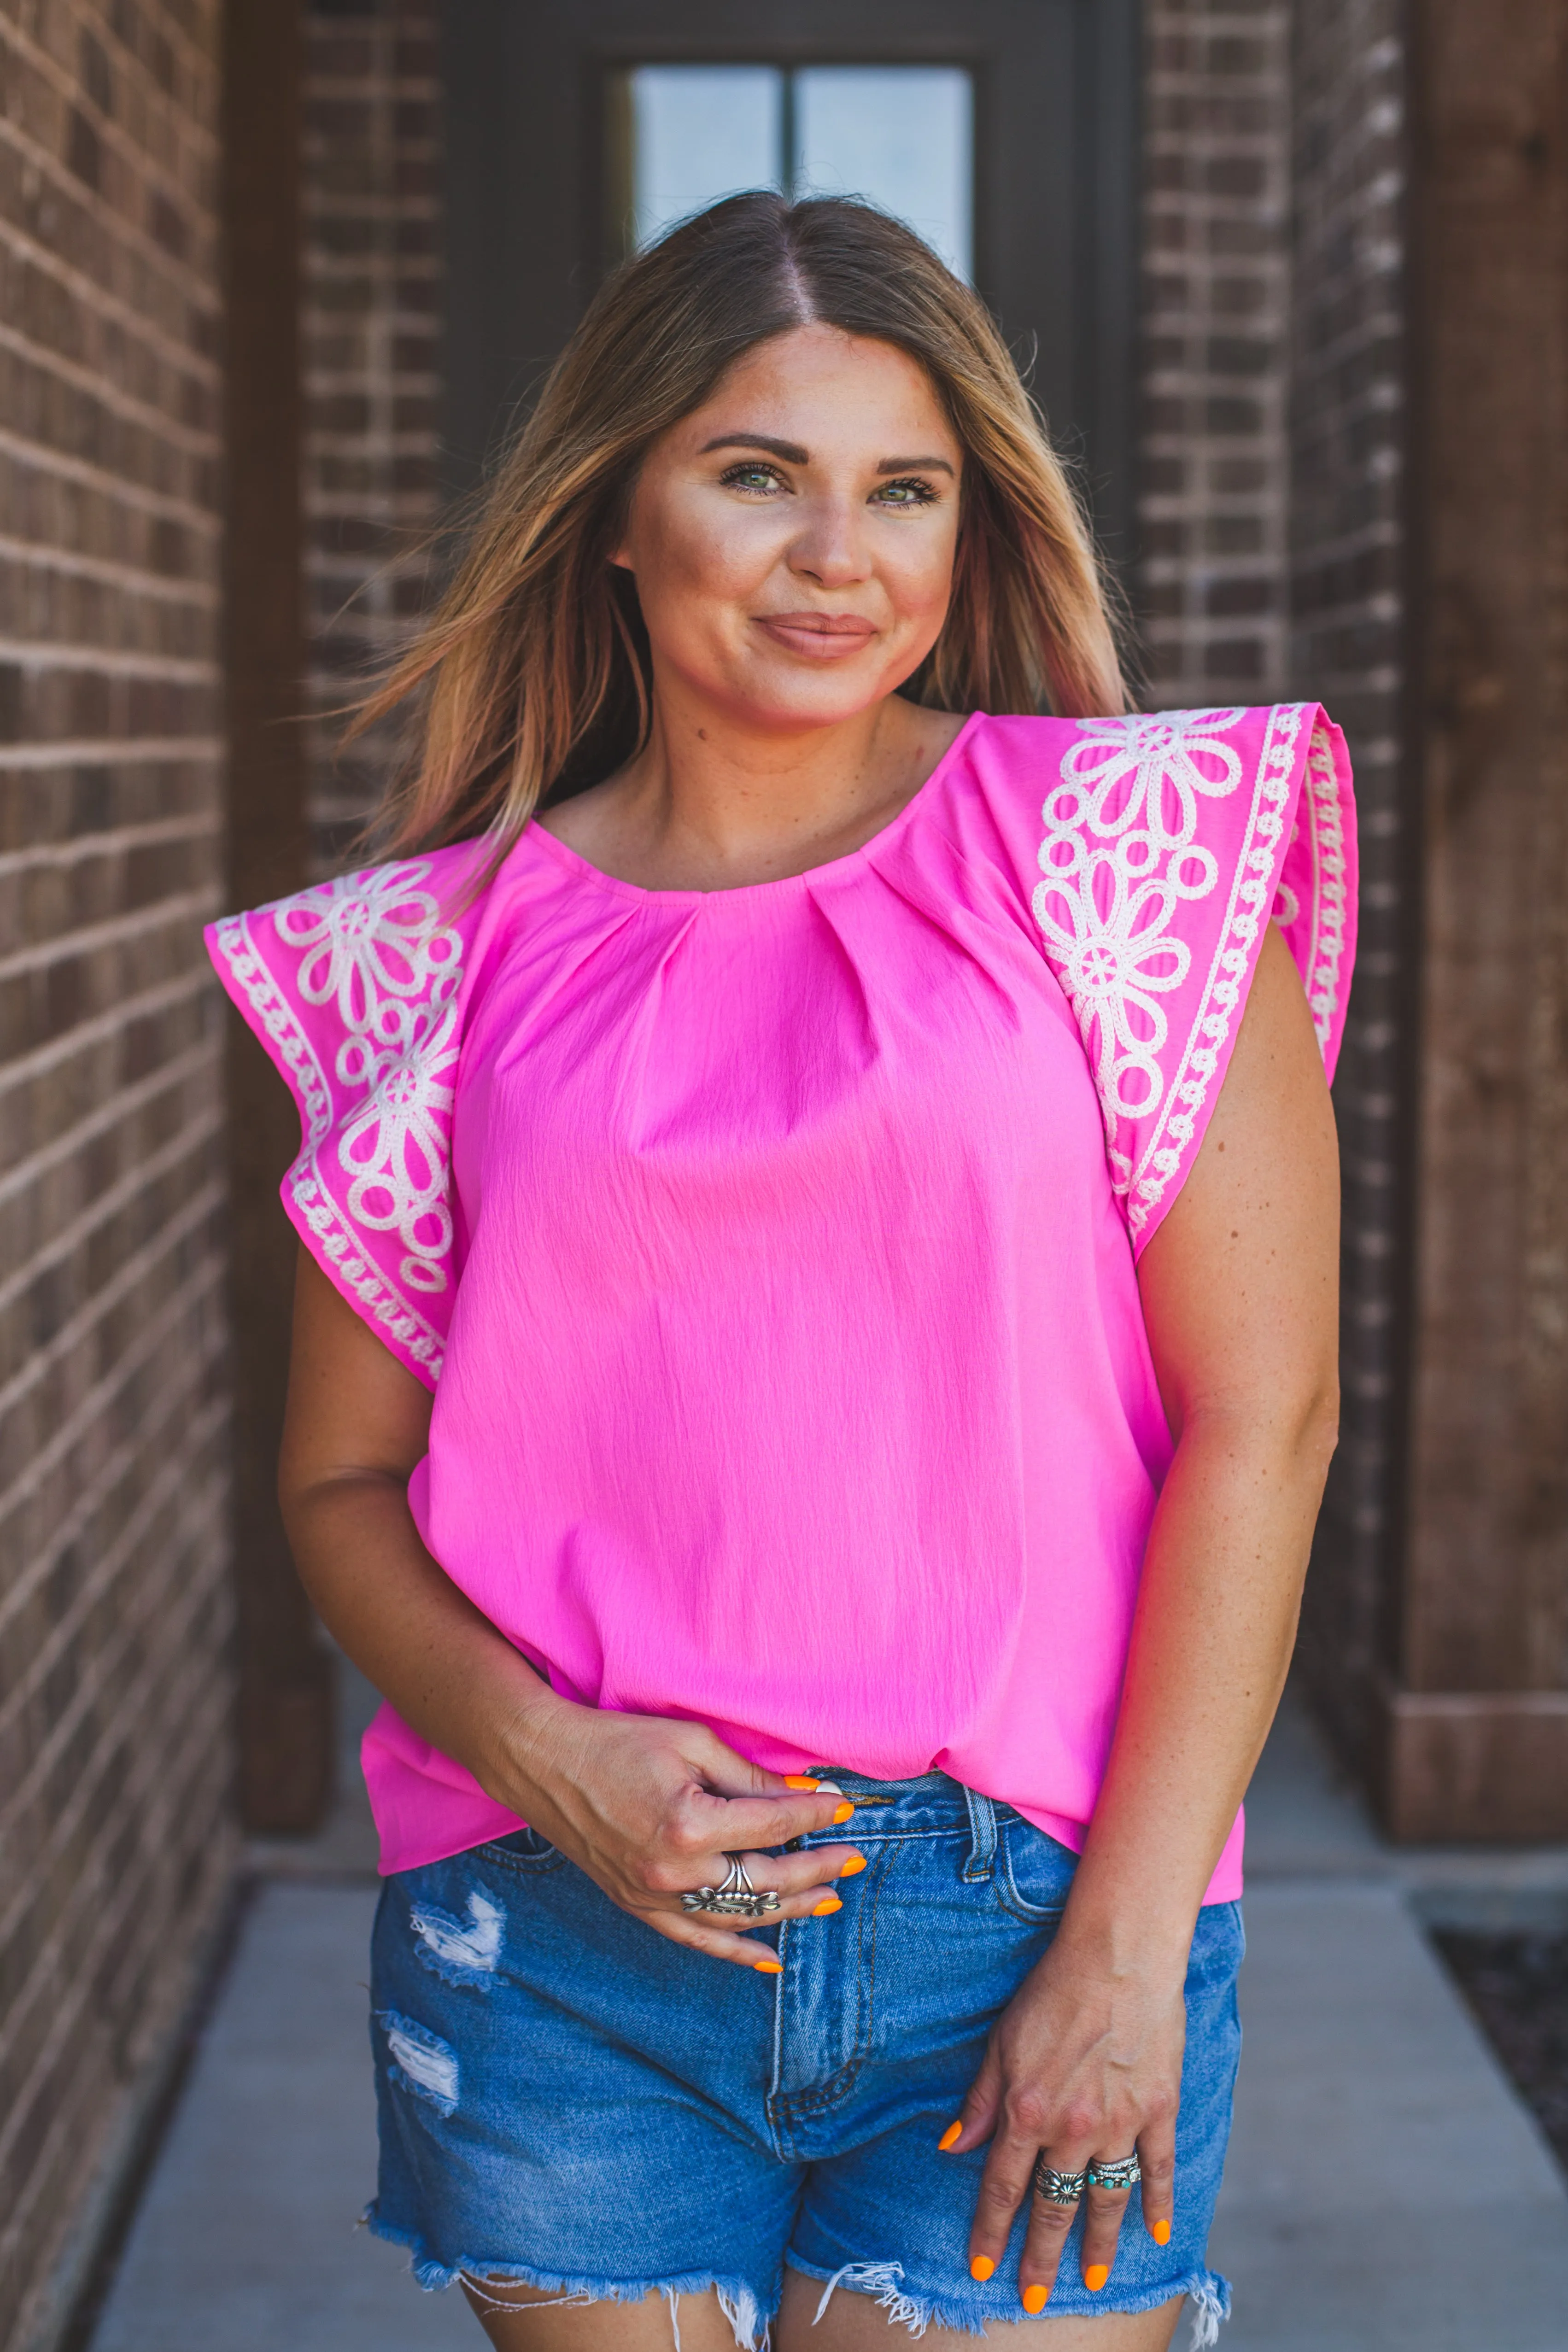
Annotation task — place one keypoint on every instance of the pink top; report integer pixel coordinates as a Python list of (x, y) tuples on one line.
[(775, 1247)]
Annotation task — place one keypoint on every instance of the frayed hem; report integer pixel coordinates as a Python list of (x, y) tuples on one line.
[(885, 2281), (882, 2280), (740, 2302), (1208, 2293)]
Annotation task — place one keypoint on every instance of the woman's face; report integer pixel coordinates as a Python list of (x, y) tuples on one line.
[(793, 540)]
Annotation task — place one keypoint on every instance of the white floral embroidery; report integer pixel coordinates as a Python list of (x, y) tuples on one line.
[(374, 940), (375, 946), (1119, 859), (375, 943), (1154, 766), (1325, 951)]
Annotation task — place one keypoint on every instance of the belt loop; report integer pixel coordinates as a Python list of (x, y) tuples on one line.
[(982, 1834)]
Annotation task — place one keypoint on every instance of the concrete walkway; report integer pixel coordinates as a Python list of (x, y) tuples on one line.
[(1386, 2192), (247, 2241)]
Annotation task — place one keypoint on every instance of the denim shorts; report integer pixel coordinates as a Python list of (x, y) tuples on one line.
[(568, 2098)]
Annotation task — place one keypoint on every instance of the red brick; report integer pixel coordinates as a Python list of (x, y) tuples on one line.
[(371, 194), (1218, 106), (113, 1621)]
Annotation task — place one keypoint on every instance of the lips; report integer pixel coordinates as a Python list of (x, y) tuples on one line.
[(821, 636)]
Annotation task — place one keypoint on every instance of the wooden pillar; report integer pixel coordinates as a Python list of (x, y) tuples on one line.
[(286, 1743), (1476, 1726)]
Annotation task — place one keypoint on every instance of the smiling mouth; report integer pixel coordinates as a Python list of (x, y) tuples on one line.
[(818, 634)]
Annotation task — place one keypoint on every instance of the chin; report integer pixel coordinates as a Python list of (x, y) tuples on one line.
[(795, 703)]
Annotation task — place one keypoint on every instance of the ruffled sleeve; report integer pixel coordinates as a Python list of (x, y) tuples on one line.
[(1169, 840), (358, 988)]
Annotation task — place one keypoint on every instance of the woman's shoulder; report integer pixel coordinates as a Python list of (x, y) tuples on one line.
[(359, 988), (1026, 745), (371, 954), (415, 898), (1139, 789), (1132, 793), (1152, 849)]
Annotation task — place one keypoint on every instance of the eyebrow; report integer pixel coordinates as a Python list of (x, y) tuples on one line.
[(794, 454)]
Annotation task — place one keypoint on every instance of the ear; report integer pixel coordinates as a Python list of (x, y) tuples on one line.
[(623, 560)]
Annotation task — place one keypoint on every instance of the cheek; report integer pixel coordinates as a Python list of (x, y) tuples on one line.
[(694, 563), (919, 573)]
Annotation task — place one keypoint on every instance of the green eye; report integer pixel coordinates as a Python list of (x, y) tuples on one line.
[(750, 477), (910, 493)]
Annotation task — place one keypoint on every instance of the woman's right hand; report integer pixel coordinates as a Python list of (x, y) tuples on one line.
[(651, 1809)]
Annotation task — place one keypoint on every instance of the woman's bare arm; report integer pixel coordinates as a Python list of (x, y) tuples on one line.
[(1240, 1297), (356, 1425), (1241, 1300), (646, 1807)]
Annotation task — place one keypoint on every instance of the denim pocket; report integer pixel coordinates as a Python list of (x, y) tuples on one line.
[(1034, 1872), (524, 1850)]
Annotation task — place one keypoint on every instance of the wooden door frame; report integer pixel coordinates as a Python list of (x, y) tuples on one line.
[(523, 80)]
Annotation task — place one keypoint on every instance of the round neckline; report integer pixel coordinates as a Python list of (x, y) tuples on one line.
[(895, 825)]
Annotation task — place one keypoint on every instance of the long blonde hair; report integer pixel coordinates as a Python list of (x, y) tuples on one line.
[(534, 665)]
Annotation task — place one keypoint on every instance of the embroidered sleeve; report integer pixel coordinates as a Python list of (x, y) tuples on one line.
[(1169, 840), (357, 988)]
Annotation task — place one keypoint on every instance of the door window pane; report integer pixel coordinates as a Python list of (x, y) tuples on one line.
[(682, 136), (699, 132), (902, 135)]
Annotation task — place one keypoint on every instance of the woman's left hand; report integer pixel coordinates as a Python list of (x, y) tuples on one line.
[(1083, 2065)]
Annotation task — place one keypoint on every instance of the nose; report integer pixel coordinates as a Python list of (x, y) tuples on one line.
[(831, 546)]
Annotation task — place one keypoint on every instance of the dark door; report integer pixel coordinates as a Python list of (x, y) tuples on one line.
[(574, 126)]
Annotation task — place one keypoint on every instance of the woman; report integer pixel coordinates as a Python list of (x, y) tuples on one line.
[(860, 1165)]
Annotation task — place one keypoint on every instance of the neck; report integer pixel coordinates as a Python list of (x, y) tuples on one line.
[(710, 804)]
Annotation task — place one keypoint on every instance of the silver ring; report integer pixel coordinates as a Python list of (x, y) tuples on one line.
[(1058, 2188), (737, 1898), (1126, 2173)]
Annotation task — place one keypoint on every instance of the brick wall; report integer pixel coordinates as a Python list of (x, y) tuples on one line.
[(1348, 446), (1214, 460), (372, 302), (1272, 480), (114, 1719)]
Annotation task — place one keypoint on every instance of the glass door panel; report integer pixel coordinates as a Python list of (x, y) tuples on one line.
[(682, 136), (902, 135), (689, 134)]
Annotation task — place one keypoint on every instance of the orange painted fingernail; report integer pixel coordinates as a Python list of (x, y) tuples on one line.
[(769, 1967), (801, 1780), (824, 1909), (1034, 2300), (1161, 2233), (949, 2137), (981, 2268), (857, 1862), (1094, 2278), (843, 1812)]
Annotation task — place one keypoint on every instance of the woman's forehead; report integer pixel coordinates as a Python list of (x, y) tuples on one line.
[(840, 387)]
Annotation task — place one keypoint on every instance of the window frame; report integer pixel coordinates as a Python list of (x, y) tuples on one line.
[(1057, 141)]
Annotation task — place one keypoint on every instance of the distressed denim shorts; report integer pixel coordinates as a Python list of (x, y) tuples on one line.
[(568, 2098)]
